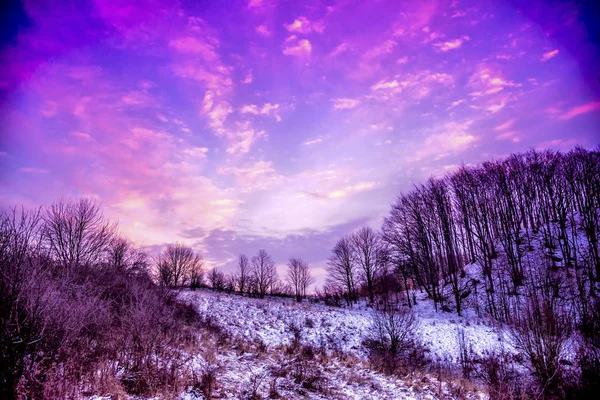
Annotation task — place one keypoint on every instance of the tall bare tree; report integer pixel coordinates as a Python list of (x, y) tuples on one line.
[(263, 272), (299, 277), (341, 270), (367, 243), (243, 273)]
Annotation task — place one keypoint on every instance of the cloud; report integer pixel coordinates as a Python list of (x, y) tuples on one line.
[(83, 136), (582, 109), (384, 48), (313, 141), (248, 79), (34, 170), (352, 189), (266, 109), (49, 109), (304, 26), (297, 48), (242, 141), (257, 4), (505, 125), (195, 46), (217, 112), (345, 103), (509, 135), (196, 152), (339, 49), (263, 30), (549, 54), (385, 85), (259, 175), (449, 45)]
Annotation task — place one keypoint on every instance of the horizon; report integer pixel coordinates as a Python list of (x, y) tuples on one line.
[(277, 125)]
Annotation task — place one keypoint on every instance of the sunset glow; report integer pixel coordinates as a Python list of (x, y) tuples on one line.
[(238, 125)]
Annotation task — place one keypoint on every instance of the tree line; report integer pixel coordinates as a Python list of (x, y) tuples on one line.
[(178, 265), (515, 239)]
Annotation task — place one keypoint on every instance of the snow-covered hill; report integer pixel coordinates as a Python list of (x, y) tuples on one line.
[(339, 333)]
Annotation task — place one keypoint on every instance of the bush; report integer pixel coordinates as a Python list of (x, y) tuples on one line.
[(392, 338), (95, 327)]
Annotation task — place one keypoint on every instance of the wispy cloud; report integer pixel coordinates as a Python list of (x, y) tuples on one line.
[(579, 110), (345, 103), (549, 54)]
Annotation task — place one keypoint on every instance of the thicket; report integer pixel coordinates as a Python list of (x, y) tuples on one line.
[(79, 312)]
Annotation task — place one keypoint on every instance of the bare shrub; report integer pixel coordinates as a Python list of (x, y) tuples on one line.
[(392, 338), (256, 382), (466, 355), (93, 324), (497, 372), (306, 370), (540, 332)]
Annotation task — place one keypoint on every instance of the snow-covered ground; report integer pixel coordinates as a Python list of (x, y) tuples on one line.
[(337, 331), (341, 329)]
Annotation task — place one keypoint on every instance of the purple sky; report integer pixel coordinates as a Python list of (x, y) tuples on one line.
[(239, 125)]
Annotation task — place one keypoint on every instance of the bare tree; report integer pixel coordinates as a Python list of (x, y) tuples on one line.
[(367, 243), (125, 257), (243, 273), (76, 233), (299, 277), (342, 269), (177, 264), (216, 279), (263, 272)]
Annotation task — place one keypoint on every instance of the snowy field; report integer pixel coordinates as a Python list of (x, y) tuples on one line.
[(341, 329)]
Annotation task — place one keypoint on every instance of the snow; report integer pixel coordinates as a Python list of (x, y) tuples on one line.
[(339, 332), (342, 329)]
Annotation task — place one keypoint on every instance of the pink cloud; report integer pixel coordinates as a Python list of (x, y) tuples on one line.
[(509, 135), (49, 109), (260, 175), (263, 30), (300, 48), (352, 189), (196, 46), (312, 142), (83, 136), (384, 48), (449, 45), (582, 109), (266, 109), (548, 55), (242, 141), (345, 103), (304, 26), (505, 125), (256, 3), (381, 85), (216, 111)]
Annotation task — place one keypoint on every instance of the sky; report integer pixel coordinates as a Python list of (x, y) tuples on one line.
[(239, 125)]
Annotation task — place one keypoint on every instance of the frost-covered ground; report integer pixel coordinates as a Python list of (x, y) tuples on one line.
[(337, 331), (342, 329)]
